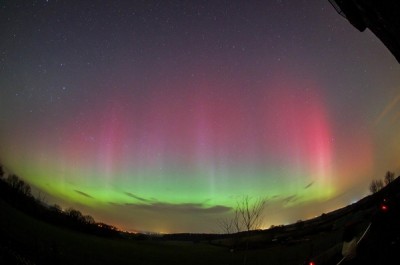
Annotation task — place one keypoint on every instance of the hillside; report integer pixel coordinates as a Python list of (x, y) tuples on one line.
[(27, 240)]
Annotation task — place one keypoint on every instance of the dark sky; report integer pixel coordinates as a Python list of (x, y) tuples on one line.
[(160, 115)]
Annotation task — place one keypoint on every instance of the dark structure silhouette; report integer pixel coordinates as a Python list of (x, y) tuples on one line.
[(381, 17)]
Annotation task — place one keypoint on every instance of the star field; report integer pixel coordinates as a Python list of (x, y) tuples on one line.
[(159, 115)]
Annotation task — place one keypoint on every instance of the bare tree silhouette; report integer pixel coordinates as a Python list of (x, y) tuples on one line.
[(251, 213), (389, 177), (376, 185), (226, 225), (19, 185), (247, 216)]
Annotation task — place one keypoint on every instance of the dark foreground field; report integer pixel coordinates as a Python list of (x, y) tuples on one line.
[(27, 240)]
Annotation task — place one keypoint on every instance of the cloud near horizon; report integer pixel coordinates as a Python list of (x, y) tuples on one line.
[(136, 197), (83, 194), (181, 208)]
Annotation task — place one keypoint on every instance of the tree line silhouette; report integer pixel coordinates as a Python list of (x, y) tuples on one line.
[(377, 184), (17, 193)]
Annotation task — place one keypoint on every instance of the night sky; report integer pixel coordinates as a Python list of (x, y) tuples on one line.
[(159, 115)]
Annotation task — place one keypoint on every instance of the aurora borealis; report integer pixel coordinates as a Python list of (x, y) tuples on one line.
[(158, 115)]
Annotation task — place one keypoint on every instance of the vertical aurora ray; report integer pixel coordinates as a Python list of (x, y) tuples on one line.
[(137, 113), (196, 148), (227, 146), (299, 134)]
